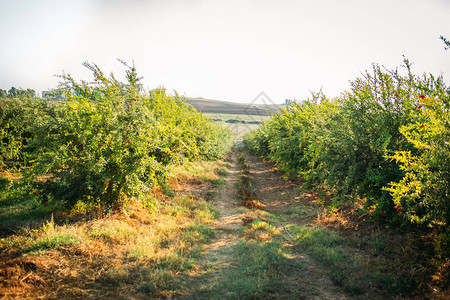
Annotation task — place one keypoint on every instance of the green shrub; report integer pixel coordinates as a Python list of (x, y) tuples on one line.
[(108, 142), (18, 116), (423, 193), (387, 130)]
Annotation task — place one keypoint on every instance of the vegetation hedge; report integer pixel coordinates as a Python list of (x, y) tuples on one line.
[(385, 140), (105, 141)]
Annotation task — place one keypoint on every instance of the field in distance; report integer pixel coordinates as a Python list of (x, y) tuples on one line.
[(238, 124), (224, 107), (238, 117)]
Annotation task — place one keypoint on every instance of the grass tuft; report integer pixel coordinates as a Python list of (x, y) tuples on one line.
[(51, 236)]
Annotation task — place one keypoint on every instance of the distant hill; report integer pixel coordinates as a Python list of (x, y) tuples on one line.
[(224, 107)]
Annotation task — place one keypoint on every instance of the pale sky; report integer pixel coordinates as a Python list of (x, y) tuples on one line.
[(224, 50)]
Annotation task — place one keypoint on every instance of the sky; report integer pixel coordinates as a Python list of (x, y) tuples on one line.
[(225, 50)]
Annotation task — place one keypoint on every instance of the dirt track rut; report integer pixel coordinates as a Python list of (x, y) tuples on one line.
[(302, 278)]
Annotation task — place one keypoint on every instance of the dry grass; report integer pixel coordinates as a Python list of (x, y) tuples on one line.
[(401, 259), (140, 251)]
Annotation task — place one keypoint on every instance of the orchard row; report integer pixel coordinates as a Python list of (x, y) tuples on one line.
[(105, 141), (386, 141)]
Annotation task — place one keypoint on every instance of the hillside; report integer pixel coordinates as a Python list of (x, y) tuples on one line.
[(224, 107)]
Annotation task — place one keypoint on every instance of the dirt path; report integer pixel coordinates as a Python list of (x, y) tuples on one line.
[(278, 195), (223, 272), (218, 257)]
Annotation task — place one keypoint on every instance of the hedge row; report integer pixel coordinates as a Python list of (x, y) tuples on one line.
[(385, 140), (106, 141)]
